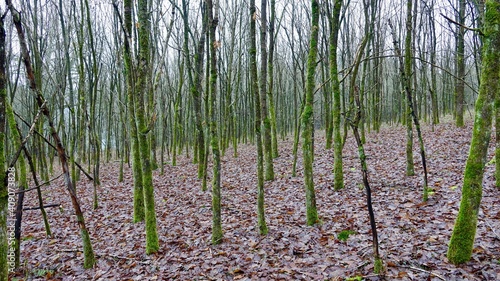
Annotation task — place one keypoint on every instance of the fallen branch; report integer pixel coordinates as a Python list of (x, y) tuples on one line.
[(423, 270), (38, 207)]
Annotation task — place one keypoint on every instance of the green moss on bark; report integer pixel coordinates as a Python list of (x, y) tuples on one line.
[(462, 238), (338, 181), (217, 234), (4, 268), (261, 219), (308, 120), (143, 84)]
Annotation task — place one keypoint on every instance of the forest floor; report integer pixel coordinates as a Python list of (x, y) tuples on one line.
[(413, 235)]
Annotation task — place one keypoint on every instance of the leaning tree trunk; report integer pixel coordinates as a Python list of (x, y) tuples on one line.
[(462, 239), (88, 252)]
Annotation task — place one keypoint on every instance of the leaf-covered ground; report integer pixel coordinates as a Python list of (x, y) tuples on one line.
[(413, 236)]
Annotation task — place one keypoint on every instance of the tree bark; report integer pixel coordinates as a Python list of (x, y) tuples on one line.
[(4, 192), (268, 157), (213, 17), (460, 66), (464, 231), (308, 119), (334, 21), (261, 221), (143, 87)]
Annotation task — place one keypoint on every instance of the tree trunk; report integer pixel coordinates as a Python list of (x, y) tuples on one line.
[(196, 82), (462, 238), (89, 258), (130, 77), (261, 222), (270, 93), (5, 263), (213, 16), (143, 86), (460, 66), (268, 157), (334, 21), (308, 119)]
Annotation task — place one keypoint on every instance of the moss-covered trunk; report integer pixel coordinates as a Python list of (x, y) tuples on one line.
[(214, 140), (130, 76), (308, 119), (261, 219), (266, 122), (143, 84), (462, 238), (460, 66), (334, 22), (23, 182), (270, 98), (4, 194)]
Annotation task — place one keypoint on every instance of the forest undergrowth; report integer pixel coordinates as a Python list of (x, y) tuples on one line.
[(413, 235)]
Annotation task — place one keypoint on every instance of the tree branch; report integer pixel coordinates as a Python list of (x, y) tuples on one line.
[(461, 25)]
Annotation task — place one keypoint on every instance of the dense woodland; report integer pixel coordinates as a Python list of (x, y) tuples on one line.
[(242, 140)]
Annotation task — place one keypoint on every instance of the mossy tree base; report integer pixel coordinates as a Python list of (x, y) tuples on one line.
[(462, 238)]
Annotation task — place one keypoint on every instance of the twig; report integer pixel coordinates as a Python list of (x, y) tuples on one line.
[(423, 270), (492, 229), (123, 258), (40, 185)]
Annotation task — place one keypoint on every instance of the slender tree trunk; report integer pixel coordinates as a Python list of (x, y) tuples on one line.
[(4, 192), (334, 21), (405, 68), (460, 66), (433, 89), (308, 119), (196, 83), (261, 221), (89, 258), (268, 153), (23, 182), (270, 93), (462, 239), (213, 16), (143, 84), (130, 73)]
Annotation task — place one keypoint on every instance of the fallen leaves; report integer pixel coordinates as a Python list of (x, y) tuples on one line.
[(413, 236)]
